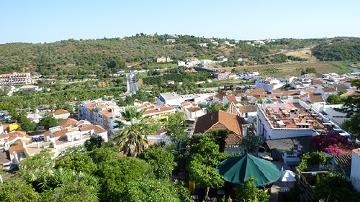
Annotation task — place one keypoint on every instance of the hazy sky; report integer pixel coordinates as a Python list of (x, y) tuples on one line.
[(52, 20)]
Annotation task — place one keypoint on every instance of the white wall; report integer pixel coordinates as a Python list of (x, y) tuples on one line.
[(355, 171)]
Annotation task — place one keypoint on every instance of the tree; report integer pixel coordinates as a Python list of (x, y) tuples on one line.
[(71, 191), (215, 107), (95, 141), (335, 99), (175, 128), (161, 161), (249, 193), (77, 160), (115, 173), (132, 115), (25, 123), (352, 108), (38, 169), (251, 142), (132, 139), (334, 187), (48, 122), (352, 125), (151, 190), (17, 190), (204, 158)]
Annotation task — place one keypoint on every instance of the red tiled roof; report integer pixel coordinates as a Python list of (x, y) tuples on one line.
[(68, 122), (60, 111), (255, 92), (219, 119), (247, 108), (17, 147), (231, 98), (315, 98)]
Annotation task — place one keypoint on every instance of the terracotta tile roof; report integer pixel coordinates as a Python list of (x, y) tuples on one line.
[(13, 135), (255, 92), (328, 90), (107, 113), (283, 92), (220, 95), (86, 127), (185, 104), (158, 110), (17, 147), (193, 109), (231, 98), (60, 133), (99, 129), (68, 122), (247, 108), (316, 82), (219, 120), (96, 128), (60, 111), (315, 98)]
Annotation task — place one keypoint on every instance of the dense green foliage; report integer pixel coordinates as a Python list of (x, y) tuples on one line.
[(249, 193), (101, 57), (205, 156), (17, 190), (177, 77), (335, 99), (175, 127), (311, 159), (338, 49), (95, 175), (161, 161), (334, 187), (48, 122), (352, 108)]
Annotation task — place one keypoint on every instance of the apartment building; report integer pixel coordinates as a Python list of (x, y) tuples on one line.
[(100, 112), (15, 78)]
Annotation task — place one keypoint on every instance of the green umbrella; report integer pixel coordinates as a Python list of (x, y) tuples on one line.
[(238, 169)]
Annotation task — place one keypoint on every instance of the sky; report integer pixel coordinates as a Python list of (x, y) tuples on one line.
[(54, 20)]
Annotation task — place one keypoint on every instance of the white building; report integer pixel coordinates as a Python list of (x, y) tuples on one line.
[(15, 78), (192, 111), (269, 84), (100, 112), (333, 112), (61, 114), (355, 169), (174, 99), (286, 120)]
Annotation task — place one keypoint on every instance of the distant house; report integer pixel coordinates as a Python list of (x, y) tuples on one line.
[(61, 114), (221, 58), (248, 112), (163, 59), (171, 40), (192, 111), (222, 120)]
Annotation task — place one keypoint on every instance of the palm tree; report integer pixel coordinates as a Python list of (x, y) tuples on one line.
[(132, 139)]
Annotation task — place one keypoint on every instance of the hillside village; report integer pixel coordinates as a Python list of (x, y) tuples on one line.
[(293, 117)]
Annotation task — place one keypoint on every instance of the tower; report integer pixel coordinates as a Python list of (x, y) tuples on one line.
[(131, 82)]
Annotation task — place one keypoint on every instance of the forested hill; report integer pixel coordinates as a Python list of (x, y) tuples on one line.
[(81, 57), (338, 49)]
